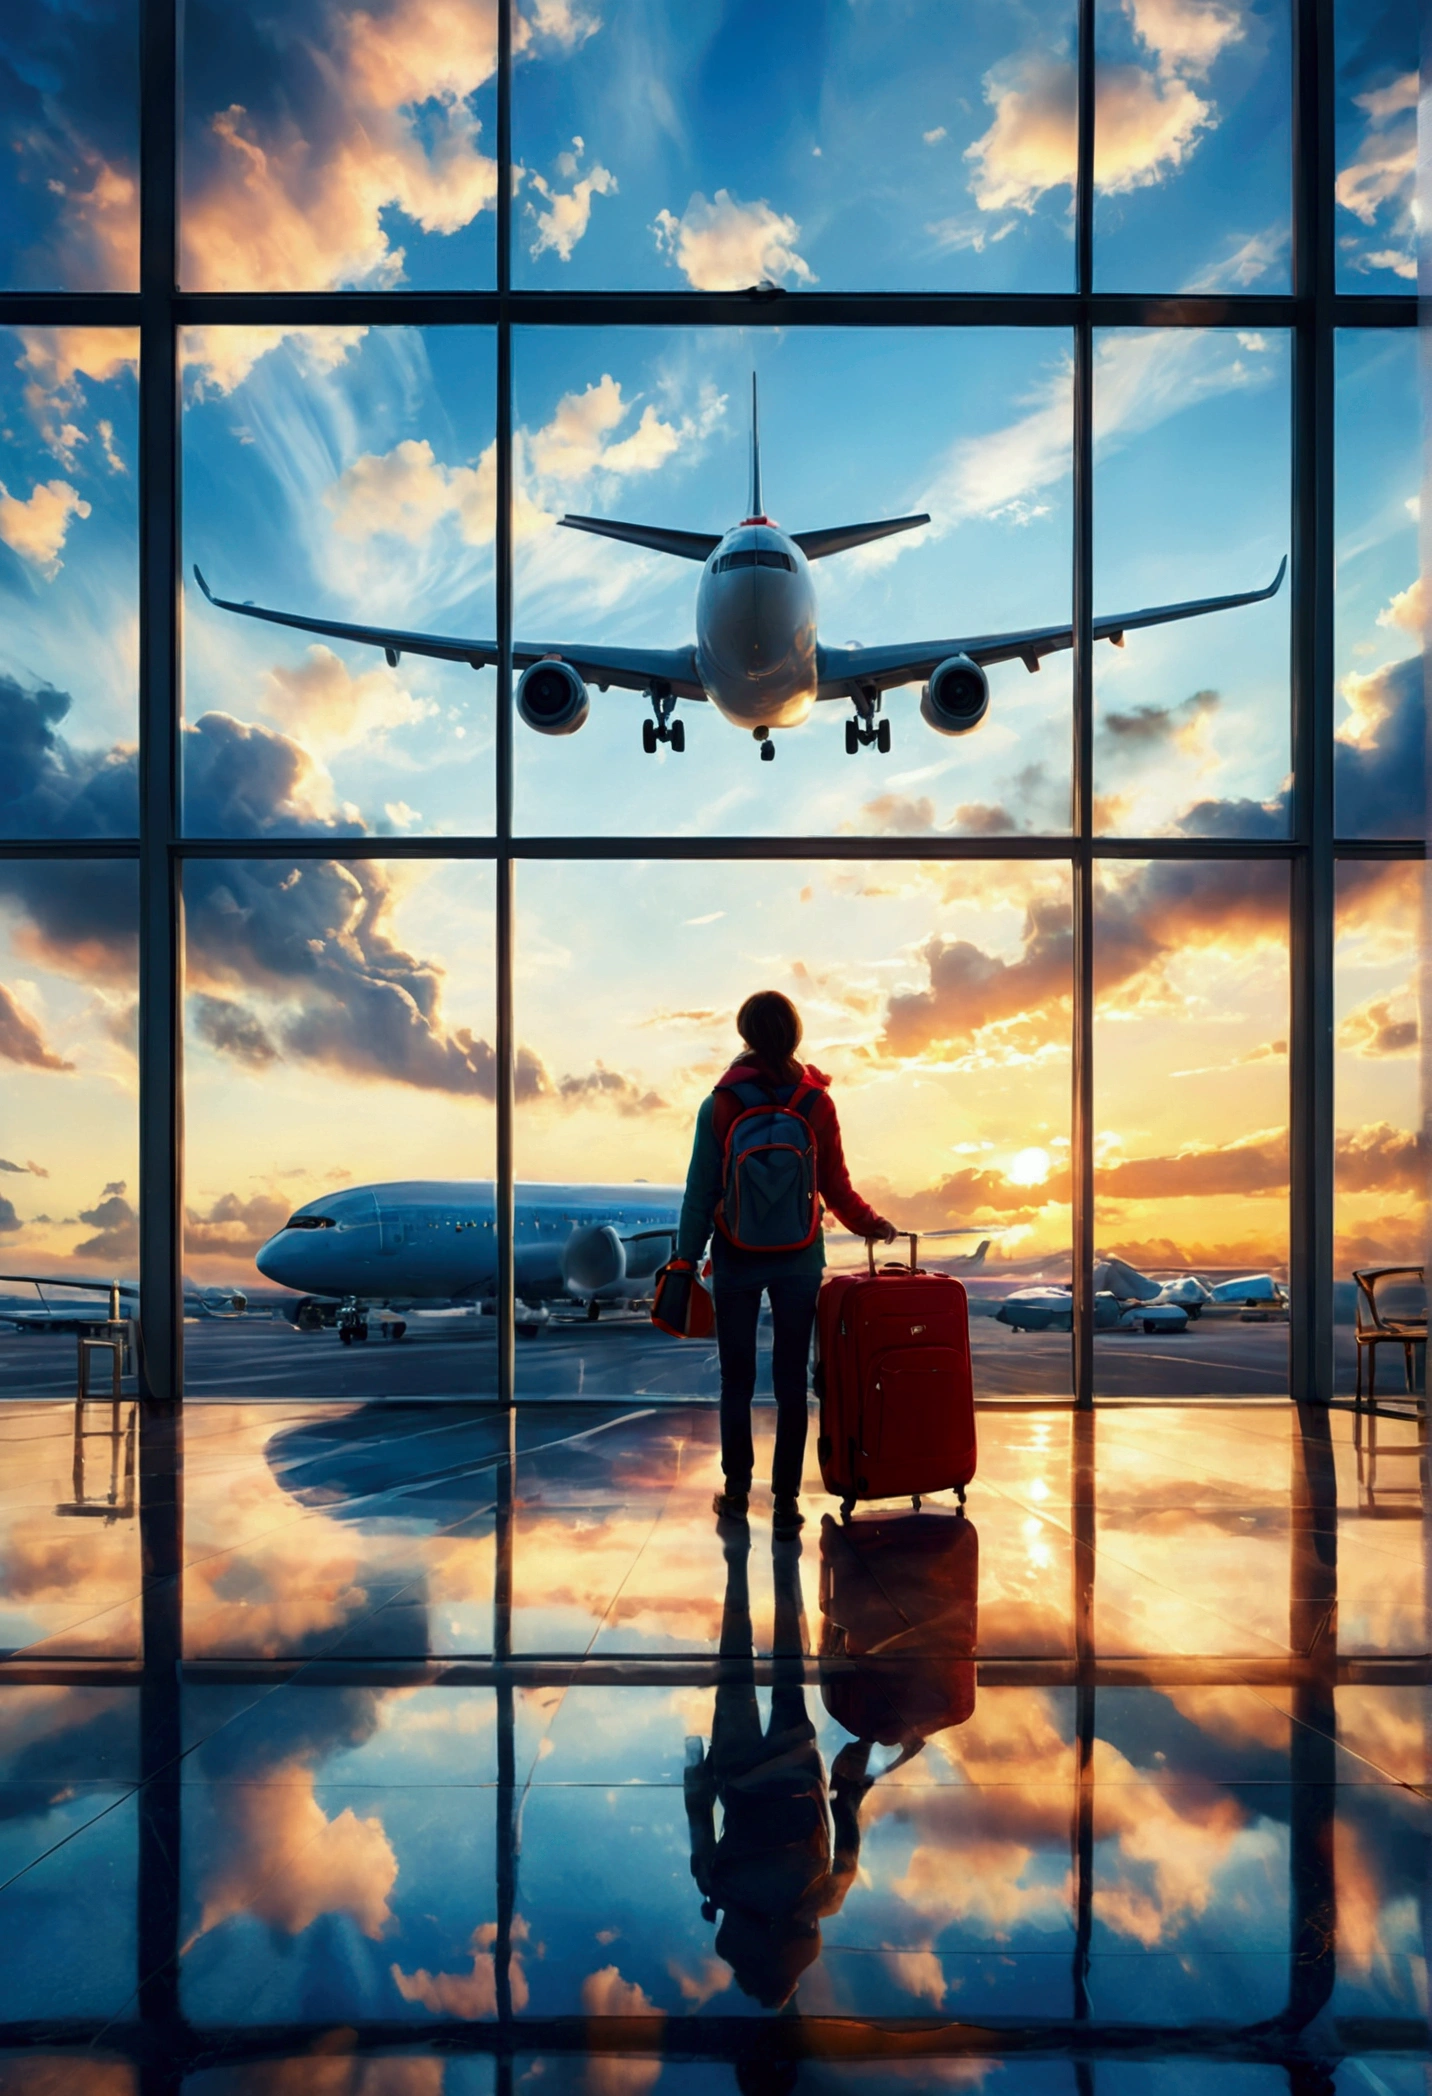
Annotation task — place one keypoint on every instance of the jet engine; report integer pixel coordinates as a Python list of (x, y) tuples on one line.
[(592, 1259), (956, 698), (552, 698)]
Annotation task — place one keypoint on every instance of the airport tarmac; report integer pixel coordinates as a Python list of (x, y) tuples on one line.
[(623, 1357)]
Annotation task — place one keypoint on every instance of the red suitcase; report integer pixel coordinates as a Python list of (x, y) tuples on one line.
[(897, 1409), (900, 1593)]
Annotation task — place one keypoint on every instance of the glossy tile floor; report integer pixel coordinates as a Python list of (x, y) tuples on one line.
[(477, 1756)]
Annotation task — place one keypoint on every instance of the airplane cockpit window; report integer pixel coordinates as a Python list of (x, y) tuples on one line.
[(310, 1222), (754, 557)]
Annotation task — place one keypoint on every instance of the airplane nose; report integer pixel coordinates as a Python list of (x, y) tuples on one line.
[(279, 1259)]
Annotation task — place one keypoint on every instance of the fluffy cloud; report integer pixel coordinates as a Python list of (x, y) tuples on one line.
[(567, 213), (286, 1863), (232, 1225), (9, 1220), (327, 707), (1383, 1026), (1148, 118), (1377, 187), (22, 1042), (1408, 610), (116, 1226), (466, 1996), (1146, 731), (409, 493), (37, 527), (725, 245), (601, 1086), (406, 492), (217, 359), (378, 118)]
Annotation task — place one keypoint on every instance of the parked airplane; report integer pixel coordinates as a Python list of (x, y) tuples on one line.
[(756, 657), (54, 1313), (1126, 1300), (434, 1242)]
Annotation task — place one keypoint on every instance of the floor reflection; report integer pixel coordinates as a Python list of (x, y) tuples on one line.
[(495, 1762)]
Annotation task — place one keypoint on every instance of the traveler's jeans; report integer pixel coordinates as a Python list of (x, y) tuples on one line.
[(793, 1299)]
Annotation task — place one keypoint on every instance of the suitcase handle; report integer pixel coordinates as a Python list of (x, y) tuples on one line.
[(870, 1244)]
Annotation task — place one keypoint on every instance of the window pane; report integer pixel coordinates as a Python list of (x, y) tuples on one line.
[(718, 147), (970, 426), (333, 145), (1192, 142), (357, 1532), (348, 475), (69, 125), (1191, 496), (1380, 1168), (68, 1847), (68, 582), (1377, 81), (69, 1175), (1191, 1106), (1379, 758), (937, 998), (309, 1849), (338, 1067)]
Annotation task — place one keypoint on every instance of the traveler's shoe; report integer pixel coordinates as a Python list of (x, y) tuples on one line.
[(786, 1518), (729, 1505)]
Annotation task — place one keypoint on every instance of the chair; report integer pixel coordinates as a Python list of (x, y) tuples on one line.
[(1401, 1320)]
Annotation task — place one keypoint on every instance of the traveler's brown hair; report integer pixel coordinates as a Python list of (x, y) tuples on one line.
[(770, 1026)]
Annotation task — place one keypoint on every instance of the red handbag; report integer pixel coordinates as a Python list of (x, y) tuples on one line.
[(681, 1305)]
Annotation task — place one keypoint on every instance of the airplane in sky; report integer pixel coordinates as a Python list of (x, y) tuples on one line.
[(434, 1242), (756, 658)]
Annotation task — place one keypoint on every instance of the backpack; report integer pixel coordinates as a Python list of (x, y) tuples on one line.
[(769, 1200)]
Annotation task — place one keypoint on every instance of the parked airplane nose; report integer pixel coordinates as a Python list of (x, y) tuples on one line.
[(282, 1260)]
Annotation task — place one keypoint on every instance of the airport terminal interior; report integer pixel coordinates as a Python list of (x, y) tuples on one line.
[(478, 479)]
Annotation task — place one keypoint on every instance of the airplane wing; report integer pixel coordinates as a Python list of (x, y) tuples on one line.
[(908, 662), (630, 669)]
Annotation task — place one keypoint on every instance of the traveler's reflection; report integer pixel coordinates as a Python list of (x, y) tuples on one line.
[(781, 1861)]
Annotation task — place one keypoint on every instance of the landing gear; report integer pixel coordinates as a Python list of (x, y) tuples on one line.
[(768, 748), (865, 728), (395, 1328), (352, 1323), (663, 728), (594, 1311)]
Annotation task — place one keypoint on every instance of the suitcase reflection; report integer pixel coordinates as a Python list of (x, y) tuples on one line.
[(898, 1600)]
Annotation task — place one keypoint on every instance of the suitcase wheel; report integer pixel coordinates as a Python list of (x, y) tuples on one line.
[(915, 1501), (847, 1508), (960, 1491)]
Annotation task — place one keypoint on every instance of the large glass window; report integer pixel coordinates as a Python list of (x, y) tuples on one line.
[(364, 965)]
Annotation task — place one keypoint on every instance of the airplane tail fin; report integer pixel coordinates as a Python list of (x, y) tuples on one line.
[(977, 1256), (755, 509)]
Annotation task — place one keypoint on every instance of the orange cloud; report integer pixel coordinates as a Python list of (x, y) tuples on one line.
[(469, 1996), (21, 1040), (286, 1862)]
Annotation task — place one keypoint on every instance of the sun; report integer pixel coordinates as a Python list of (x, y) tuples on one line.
[(1030, 1168)]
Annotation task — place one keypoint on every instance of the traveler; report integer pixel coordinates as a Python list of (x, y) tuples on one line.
[(766, 1159)]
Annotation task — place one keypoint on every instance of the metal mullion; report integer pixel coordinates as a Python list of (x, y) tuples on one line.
[(505, 1043), (1312, 900), (735, 309), (161, 1299), (1082, 1058)]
